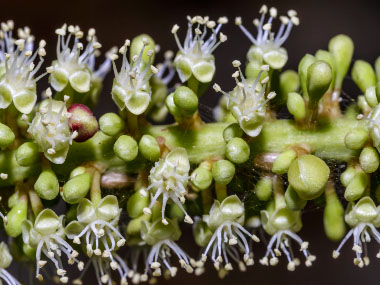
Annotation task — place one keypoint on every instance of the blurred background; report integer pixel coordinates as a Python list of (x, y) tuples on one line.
[(116, 21)]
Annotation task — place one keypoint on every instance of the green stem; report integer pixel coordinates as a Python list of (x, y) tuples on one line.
[(278, 192), (221, 192), (193, 84), (95, 192)]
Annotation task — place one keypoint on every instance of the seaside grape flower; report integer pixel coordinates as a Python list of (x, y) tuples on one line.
[(283, 224), (51, 130), (363, 218), (247, 101), (195, 57), (131, 88), (162, 239), (229, 237), (5, 261), (47, 236), (267, 44), (97, 226), (168, 179), (18, 81)]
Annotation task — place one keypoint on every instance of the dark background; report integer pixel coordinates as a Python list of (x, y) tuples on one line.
[(320, 20)]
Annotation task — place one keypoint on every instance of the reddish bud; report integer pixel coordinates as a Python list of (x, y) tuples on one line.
[(83, 121)]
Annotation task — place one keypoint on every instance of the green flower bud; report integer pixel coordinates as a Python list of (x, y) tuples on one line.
[(296, 105), (363, 75), (319, 77), (7, 137), (47, 185), (303, 67), (126, 148), (76, 188), (232, 131), (253, 69), (134, 226), (136, 203), (371, 96), (185, 100), (149, 148), (223, 171), (237, 150), (289, 82), (111, 124), (356, 187), (347, 175), (356, 138), (377, 68), (293, 201), (172, 107), (136, 46), (308, 176), (263, 188), (202, 233), (201, 178), (6, 257), (77, 171), (333, 217), (27, 154), (326, 56), (342, 49), (369, 159), (363, 105), (283, 161), (175, 212), (16, 216)]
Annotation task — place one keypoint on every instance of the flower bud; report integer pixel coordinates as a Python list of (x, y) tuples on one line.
[(363, 75), (134, 225), (293, 201), (185, 100), (7, 137), (296, 106), (232, 131), (111, 124), (319, 77), (369, 159), (303, 67), (15, 217), (333, 217), (6, 257), (137, 45), (308, 176), (326, 56), (201, 178), (83, 121), (347, 175), (47, 185), (363, 105), (237, 150), (253, 69), (77, 171), (263, 188), (342, 48), (175, 212), (223, 171), (27, 154), (136, 203), (126, 148), (289, 82), (356, 187), (76, 188), (371, 96), (149, 148), (172, 107), (356, 138), (283, 161), (377, 68)]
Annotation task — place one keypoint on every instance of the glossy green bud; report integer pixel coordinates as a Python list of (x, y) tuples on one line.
[(47, 185), (289, 82), (138, 43), (126, 148), (363, 104), (369, 160), (149, 148), (7, 137), (237, 150), (172, 107), (134, 226), (293, 201), (27, 154), (356, 138), (76, 188), (347, 175), (175, 212), (319, 77), (232, 131), (136, 203), (77, 171), (296, 105), (303, 67), (201, 178), (329, 58), (253, 69), (333, 217), (15, 218), (283, 161), (111, 124), (377, 68), (371, 96), (308, 176), (13, 199), (223, 171), (185, 100), (356, 187), (363, 75), (263, 188), (342, 48)]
